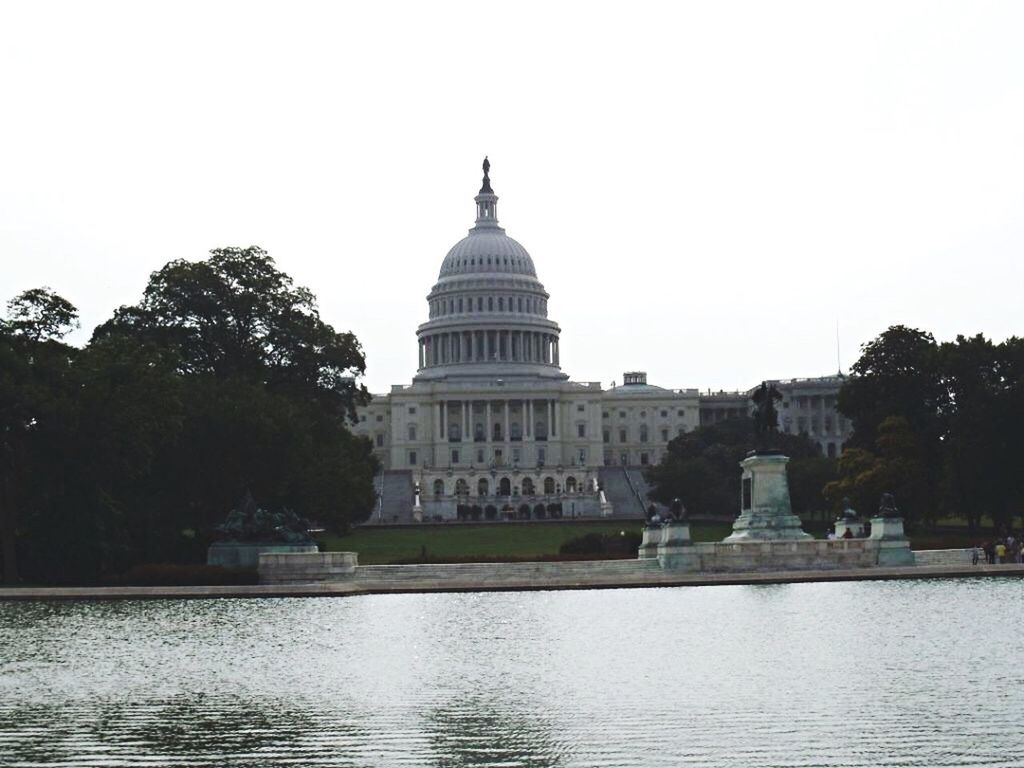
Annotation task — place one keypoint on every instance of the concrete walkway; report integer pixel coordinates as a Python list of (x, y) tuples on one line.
[(656, 579)]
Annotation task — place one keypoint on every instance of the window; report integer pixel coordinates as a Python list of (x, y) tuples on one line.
[(582, 456), (664, 435), (439, 487), (622, 414), (643, 458), (622, 435), (643, 433), (519, 303), (501, 304), (480, 456), (606, 435), (516, 456), (412, 410), (380, 417), (479, 303), (460, 305), (412, 458), (380, 441), (581, 408), (604, 414), (412, 431), (541, 455), (581, 430), (664, 414), (680, 413), (643, 414), (681, 431), (490, 303), (455, 456)]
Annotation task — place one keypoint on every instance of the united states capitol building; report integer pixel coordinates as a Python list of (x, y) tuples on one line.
[(492, 428)]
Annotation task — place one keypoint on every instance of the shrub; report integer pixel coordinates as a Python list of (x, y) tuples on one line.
[(621, 544), (173, 575)]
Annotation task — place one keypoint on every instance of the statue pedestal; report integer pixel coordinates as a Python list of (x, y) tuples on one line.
[(893, 545), (765, 510), (676, 548), (652, 538), (855, 527), (234, 554)]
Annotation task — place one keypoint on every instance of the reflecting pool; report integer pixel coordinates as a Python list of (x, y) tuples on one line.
[(925, 673)]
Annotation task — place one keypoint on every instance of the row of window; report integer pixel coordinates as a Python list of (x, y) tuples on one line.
[(680, 413), (505, 487), (644, 435), (498, 457), (528, 304)]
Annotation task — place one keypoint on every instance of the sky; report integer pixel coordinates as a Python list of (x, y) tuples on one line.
[(709, 191)]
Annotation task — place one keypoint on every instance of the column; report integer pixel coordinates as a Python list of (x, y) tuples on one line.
[(528, 418), (557, 353), (487, 426), (437, 421), (465, 420), (508, 437), (554, 418)]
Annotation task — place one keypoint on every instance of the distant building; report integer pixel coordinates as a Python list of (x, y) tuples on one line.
[(491, 427)]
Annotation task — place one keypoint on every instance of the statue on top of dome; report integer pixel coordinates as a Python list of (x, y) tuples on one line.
[(486, 188)]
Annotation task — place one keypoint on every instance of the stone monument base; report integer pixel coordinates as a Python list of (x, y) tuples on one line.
[(781, 555), (233, 554), (893, 546)]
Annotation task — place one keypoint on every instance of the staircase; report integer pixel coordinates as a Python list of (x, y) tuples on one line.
[(639, 483), (618, 489), (396, 497)]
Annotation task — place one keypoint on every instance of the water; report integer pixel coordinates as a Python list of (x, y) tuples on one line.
[(847, 674)]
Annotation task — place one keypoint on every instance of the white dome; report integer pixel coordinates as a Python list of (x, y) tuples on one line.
[(484, 252)]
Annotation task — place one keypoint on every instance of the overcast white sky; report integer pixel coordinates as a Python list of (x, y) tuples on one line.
[(706, 188)]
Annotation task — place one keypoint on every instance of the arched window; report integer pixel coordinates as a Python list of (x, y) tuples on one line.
[(496, 432), (490, 303), (461, 487), (439, 487), (504, 487), (481, 487), (549, 485), (519, 303), (570, 484), (528, 489), (501, 304)]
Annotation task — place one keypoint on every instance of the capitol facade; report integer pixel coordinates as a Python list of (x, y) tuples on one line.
[(492, 428)]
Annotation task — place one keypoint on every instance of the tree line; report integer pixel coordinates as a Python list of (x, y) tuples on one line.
[(222, 378), (938, 425)]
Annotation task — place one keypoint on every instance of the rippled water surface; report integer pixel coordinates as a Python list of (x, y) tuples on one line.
[(853, 674)]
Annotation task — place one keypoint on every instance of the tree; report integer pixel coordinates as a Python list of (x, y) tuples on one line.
[(237, 316), (34, 395), (268, 388), (897, 465)]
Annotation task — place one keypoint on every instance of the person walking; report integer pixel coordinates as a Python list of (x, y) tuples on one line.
[(1000, 552)]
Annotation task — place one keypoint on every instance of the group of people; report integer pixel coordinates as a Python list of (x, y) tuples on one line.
[(1004, 550)]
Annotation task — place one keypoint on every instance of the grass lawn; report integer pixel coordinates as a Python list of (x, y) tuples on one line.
[(522, 540)]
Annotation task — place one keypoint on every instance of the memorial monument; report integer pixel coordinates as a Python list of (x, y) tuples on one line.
[(250, 530), (765, 509)]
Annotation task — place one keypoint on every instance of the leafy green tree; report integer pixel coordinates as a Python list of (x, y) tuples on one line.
[(268, 390), (896, 465), (35, 391), (236, 316)]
